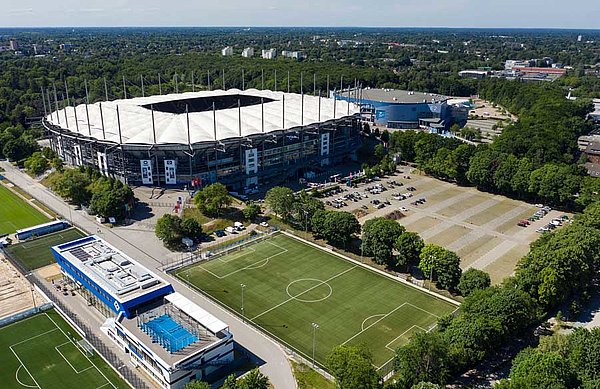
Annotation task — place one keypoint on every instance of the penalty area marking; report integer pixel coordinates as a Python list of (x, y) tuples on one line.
[(319, 283), (19, 381), (402, 334), (258, 264)]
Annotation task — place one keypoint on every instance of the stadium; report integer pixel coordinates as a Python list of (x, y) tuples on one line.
[(401, 109), (240, 138)]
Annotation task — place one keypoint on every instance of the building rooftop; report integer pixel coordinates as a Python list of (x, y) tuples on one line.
[(112, 270), (207, 329), (401, 96), (171, 123)]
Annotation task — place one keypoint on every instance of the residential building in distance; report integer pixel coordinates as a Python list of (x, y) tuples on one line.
[(227, 51), (14, 45), (269, 53), (297, 55), (248, 52), (517, 63)]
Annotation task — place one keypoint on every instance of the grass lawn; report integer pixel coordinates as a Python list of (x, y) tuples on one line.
[(16, 213), (39, 352), (36, 253), (290, 284), (307, 378)]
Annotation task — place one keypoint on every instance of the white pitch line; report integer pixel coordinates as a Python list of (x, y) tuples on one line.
[(301, 293), (245, 267), (25, 367), (375, 322), (89, 360), (33, 337), (421, 309), (66, 360), (19, 381)]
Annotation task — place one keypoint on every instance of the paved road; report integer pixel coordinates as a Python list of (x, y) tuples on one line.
[(151, 253)]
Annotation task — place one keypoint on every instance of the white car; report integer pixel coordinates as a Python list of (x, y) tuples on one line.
[(540, 205), (264, 224), (404, 209)]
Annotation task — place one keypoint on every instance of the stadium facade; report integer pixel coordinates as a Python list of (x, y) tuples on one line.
[(240, 138), (401, 109), (172, 339)]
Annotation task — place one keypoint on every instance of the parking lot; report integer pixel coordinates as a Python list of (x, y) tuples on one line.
[(481, 228)]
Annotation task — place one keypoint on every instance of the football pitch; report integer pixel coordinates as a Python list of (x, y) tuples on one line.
[(36, 253), (288, 285), (40, 352), (16, 213)]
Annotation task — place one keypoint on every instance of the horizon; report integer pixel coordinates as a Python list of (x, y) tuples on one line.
[(511, 14)]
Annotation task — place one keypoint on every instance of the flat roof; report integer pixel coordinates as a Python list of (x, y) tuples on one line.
[(171, 121), (112, 270), (32, 228), (400, 96), (206, 319)]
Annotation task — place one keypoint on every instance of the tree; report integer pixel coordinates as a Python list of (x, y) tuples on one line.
[(441, 264), (424, 358), (254, 379), (281, 201), (336, 227), (230, 382), (426, 385), (36, 164), (73, 186), (473, 279), (251, 211), (352, 367), (378, 238), (195, 384), (168, 229), (532, 369), (409, 246), (584, 354), (589, 191), (191, 228), (110, 198), (212, 199), (304, 207)]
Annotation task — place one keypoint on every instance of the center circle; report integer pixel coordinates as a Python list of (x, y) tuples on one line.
[(303, 286)]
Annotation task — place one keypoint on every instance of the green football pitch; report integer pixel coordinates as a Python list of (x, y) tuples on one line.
[(288, 285), (42, 352), (36, 253), (16, 213)]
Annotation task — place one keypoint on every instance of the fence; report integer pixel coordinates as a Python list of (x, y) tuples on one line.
[(25, 314), (101, 348), (220, 251)]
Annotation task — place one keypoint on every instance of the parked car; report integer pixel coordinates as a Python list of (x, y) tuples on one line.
[(264, 224), (219, 233)]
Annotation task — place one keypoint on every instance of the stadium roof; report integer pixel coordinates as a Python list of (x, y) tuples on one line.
[(400, 96), (170, 120)]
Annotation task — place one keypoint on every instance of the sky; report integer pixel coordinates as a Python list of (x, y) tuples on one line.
[(585, 14)]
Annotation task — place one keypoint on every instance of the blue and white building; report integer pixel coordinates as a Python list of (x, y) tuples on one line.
[(173, 340), (400, 109)]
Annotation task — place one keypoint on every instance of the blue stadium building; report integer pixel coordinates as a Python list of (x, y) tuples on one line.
[(171, 338), (401, 109)]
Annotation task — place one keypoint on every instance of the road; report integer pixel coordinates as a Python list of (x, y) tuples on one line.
[(152, 254)]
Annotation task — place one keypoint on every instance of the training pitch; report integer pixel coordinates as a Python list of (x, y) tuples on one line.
[(16, 213), (36, 253), (288, 285), (42, 352)]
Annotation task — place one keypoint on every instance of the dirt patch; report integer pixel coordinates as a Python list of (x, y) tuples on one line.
[(395, 215)]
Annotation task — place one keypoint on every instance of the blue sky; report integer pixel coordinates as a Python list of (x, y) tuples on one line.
[(372, 13)]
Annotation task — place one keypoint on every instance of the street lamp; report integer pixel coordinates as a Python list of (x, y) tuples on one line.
[(243, 317), (315, 326)]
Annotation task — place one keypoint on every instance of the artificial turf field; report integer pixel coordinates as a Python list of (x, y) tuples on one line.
[(36, 253), (16, 213), (290, 284), (38, 352)]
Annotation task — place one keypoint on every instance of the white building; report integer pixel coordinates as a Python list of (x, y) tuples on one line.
[(516, 63), (174, 343), (297, 55), (248, 52), (227, 51), (269, 54)]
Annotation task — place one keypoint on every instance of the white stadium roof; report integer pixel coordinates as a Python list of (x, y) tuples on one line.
[(171, 128)]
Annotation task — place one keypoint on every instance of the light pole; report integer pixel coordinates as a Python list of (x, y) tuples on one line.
[(430, 277), (243, 317), (315, 326)]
